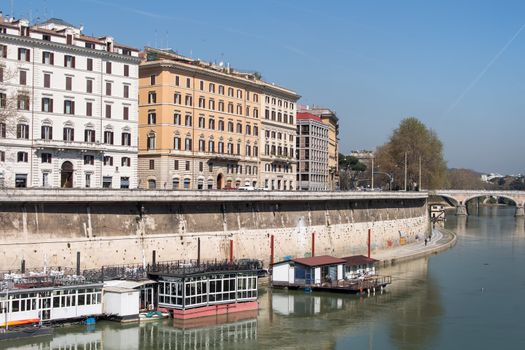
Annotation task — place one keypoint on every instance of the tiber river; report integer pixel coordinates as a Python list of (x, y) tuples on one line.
[(470, 297)]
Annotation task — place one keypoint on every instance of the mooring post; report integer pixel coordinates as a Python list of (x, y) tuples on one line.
[(369, 241), (271, 249), (231, 250), (78, 263), (198, 250), (313, 243), (154, 258)]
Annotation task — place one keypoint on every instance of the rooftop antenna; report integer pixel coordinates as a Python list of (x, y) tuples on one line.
[(12, 10)]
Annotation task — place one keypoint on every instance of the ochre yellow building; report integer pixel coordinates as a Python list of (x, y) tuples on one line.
[(199, 124)]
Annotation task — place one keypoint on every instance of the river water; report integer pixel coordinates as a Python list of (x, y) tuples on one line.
[(469, 297)]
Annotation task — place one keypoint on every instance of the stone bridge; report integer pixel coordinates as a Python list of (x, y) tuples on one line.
[(459, 198)]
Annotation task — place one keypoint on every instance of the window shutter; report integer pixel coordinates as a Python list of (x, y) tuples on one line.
[(42, 132), (19, 54), (51, 133), (52, 58), (51, 105), (72, 107), (73, 63)]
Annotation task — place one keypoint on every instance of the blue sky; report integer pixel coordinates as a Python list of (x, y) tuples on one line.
[(456, 65)]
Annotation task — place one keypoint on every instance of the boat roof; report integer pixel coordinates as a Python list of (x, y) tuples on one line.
[(127, 283), (320, 260), (359, 260)]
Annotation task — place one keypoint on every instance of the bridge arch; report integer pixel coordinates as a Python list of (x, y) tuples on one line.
[(512, 199)]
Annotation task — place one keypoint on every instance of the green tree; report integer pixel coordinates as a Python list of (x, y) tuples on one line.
[(420, 144), (349, 169)]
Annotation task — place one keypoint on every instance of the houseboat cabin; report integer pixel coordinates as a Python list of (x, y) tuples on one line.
[(323, 273), (305, 272), (19, 306), (359, 266), (206, 289)]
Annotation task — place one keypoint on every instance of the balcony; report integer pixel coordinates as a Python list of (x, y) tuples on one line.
[(225, 157), (73, 145)]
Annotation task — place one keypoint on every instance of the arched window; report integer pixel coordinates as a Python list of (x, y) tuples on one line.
[(239, 128)]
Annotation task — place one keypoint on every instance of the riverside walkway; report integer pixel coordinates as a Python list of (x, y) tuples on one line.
[(441, 240)]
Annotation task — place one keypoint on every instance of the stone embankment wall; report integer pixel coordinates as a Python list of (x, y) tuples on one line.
[(48, 229)]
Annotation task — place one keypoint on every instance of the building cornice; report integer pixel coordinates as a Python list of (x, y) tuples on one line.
[(23, 40)]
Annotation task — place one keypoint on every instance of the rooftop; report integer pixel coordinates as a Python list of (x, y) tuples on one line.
[(320, 260), (359, 260)]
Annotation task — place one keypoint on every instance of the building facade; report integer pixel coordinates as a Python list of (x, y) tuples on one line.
[(68, 107), (329, 118), (200, 125), (312, 149)]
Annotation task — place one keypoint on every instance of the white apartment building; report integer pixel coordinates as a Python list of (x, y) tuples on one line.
[(69, 107), (278, 158)]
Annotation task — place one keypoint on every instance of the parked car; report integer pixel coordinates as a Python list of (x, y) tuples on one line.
[(246, 188)]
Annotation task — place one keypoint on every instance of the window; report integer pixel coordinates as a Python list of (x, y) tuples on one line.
[(230, 126), (177, 80), (211, 124), (69, 83), (125, 113), (176, 182), (230, 92), (89, 85), (89, 109), (3, 50), (201, 85), (1, 74), (202, 145), (126, 70), (47, 104), (151, 141), (152, 79), (239, 128), (108, 137), (69, 61), (108, 160), (23, 54), (108, 67), (152, 97), (46, 132), (239, 93), (177, 99), (187, 144), (248, 129), (221, 125), (89, 64), (211, 146), (221, 106), (126, 139), (89, 159), (48, 58), (2, 156), (20, 181), (211, 105), (221, 89), (21, 157), (202, 102), (107, 181), (47, 80), (23, 77), (230, 107), (3, 100), (220, 147), (152, 184), (69, 107), (108, 111), (176, 165), (188, 83), (126, 91), (187, 165), (255, 113), (3, 130), (176, 118), (255, 130), (89, 135), (212, 88), (201, 166), (23, 102), (22, 131), (187, 121), (124, 181), (188, 100), (69, 134), (125, 161), (108, 88), (152, 117), (46, 157), (202, 122), (151, 164)]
